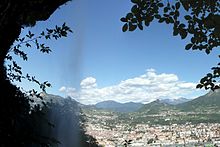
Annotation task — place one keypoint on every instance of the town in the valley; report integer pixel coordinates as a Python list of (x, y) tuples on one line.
[(110, 131)]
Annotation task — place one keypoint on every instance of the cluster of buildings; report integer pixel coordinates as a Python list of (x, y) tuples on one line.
[(110, 134)]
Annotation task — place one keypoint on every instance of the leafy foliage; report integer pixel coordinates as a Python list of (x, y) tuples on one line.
[(30, 40), (19, 120), (199, 20)]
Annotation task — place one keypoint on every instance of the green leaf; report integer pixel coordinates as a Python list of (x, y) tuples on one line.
[(187, 17), (177, 5), (171, 20), (165, 10), (22, 39), (49, 31), (129, 16), (134, 9), (42, 33), (160, 5), (140, 26), (134, 20), (176, 13), (194, 47), (171, 13), (185, 5), (123, 19), (150, 18), (135, 1), (157, 16), (132, 27), (147, 23), (188, 46), (161, 20), (30, 35), (207, 51), (199, 86), (28, 45), (193, 40), (182, 25), (125, 27), (209, 75), (167, 21), (48, 84), (183, 33), (175, 31)]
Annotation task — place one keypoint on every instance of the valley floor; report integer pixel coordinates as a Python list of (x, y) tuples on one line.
[(110, 131)]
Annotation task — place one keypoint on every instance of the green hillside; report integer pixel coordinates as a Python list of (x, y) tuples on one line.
[(209, 102), (204, 109), (156, 107)]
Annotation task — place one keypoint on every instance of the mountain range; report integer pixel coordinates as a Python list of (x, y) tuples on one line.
[(175, 101), (204, 109), (208, 102), (132, 107), (119, 107)]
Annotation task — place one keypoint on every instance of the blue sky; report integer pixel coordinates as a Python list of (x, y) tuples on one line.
[(109, 61)]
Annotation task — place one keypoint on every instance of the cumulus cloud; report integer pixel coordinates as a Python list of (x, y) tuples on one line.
[(69, 91), (62, 89), (88, 83), (144, 88)]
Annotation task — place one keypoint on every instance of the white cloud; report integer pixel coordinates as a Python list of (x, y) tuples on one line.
[(62, 89), (69, 91), (144, 88), (88, 83), (187, 85)]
